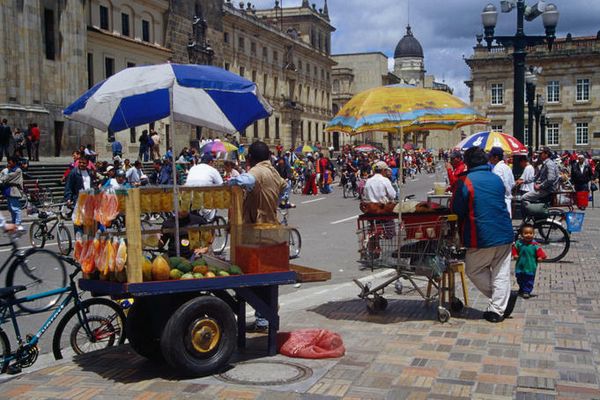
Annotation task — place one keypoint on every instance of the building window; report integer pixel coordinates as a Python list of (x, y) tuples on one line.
[(497, 94), (581, 133), (256, 129), (125, 24), (526, 135), (315, 72), (132, 135), (90, 69), (226, 66), (299, 65), (49, 43), (265, 53), (309, 131), (307, 69), (265, 82), (497, 128), (275, 84), (583, 89), (336, 86), (242, 71), (145, 30), (302, 131), (552, 134), (241, 44), (253, 48), (275, 56), (130, 64), (267, 128), (226, 37), (277, 128), (254, 76), (109, 67), (103, 17), (553, 92)]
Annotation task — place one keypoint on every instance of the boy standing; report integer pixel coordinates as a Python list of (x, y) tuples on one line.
[(528, 253)]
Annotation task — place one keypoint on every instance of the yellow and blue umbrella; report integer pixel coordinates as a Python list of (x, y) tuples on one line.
[(487, 140), (305, 149), (400, 107)]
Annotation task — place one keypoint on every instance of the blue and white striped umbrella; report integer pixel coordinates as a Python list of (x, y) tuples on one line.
[(197, 94)]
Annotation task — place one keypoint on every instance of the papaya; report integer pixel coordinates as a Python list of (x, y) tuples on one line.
[(184, 267), (235, 270), (147, 270), (160, 269), (175, 274), (200, 269)]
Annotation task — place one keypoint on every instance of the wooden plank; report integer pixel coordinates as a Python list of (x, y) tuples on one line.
[(134, 236), (308, 274), (235, 221)]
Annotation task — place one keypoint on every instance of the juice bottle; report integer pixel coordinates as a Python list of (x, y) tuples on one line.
[(146, 202), (208, 199), (166, 200), (198, 200), (185, 200)]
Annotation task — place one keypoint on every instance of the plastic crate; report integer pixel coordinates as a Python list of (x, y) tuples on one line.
[(575, 221)]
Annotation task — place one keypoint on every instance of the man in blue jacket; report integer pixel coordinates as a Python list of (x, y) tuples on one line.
[(486, 232)]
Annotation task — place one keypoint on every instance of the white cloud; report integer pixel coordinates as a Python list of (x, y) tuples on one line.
[(445, 29)]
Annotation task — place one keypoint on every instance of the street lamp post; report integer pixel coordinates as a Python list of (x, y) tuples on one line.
[(538, 109), (519, 42), (530, 82)]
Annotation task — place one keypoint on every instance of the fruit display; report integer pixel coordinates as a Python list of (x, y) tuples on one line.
[(164, 268)]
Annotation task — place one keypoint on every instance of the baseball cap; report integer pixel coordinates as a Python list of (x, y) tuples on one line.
[(496, 151), (380, 165), (206, 158), (109, 168)]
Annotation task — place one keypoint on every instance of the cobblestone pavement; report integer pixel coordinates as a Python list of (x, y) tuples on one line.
[(549, 349)]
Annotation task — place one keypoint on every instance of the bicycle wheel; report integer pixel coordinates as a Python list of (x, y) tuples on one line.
[(295, 243), (555, 239), (40, 271), (37, 234), (4, 351), (95, 324), (219, 235), (63, 238)]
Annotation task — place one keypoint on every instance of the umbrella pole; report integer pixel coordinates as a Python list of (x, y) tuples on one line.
[(174, 172)]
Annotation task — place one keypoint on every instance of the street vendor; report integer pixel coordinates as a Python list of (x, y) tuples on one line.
[(378, 188)]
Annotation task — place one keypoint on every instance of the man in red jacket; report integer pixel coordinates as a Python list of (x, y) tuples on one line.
[(35, 141), (455, 167)]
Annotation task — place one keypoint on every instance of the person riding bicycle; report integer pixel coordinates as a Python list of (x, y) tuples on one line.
[(378, 188), (546, 181), (349, 174)]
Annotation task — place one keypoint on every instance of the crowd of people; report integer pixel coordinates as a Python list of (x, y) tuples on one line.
[(15, 142)]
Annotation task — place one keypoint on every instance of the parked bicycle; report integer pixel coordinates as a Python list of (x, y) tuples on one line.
[(38, 270), (51, 225), (295, 240), (88, 325)]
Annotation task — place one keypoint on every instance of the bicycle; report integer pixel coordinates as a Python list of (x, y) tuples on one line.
[(43, 230), (88, 325), (295, 240), (34, 268), (349, 186), (34, 195)]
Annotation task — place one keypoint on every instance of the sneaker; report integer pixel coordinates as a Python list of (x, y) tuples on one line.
[(526, 295), (510, 306), (20, 228), (491, 316), (257, 328)]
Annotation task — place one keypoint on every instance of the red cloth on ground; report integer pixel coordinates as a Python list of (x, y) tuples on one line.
[(311, 343)]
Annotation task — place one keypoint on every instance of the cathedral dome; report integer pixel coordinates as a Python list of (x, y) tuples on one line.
[(408, 46)]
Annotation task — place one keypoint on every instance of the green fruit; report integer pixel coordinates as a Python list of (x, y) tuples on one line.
[(175, 261), (223, 273), (175, 274), (185, 267), (213, 269), (210, 274), (235, 270), (187, 276), (198, 262), (198, 275)]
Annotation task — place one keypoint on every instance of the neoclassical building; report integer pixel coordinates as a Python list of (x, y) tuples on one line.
[(569, 83)]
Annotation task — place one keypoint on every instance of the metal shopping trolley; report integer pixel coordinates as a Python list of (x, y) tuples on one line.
[(419, 247)]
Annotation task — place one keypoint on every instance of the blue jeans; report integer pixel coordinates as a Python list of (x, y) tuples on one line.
[(14, 206)]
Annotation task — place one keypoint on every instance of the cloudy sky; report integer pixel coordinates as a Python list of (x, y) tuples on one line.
[(446, 29)]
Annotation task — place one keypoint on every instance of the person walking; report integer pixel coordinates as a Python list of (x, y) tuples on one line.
[(486, 232), (117, 148), (496, 158), (454, 168), (155, 149), (581, 175), (528, 253), (5, 136), (11, 181), (35, 142), (310, 187), (143, 150), (525, 182)]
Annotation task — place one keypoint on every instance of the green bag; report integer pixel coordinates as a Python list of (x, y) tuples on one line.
[(537, 210)]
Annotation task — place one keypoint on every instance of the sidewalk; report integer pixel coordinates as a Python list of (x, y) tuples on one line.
[(549, 349)]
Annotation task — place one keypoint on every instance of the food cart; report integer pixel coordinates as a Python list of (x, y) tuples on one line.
[(195, 322)]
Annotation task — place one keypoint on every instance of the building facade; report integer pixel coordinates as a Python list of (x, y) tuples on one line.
[(286, 52), (569, 83)]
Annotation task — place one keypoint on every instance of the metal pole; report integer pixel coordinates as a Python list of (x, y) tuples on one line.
[(537, 125), (519, 82), (543, 131), (530, 105), (174, 173)]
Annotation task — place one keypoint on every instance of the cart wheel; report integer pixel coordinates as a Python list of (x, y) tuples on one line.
[(443, 315), (200, 336), (456, 305), (376, 304), (140, 333)]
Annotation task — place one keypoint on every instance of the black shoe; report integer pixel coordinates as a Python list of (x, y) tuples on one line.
[(526, 295), (257, 328), (491, 316), (13, 369), (510, 306)]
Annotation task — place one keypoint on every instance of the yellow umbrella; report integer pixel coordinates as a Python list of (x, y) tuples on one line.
[(404, 108)]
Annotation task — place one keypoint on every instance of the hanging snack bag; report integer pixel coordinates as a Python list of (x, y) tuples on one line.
[(121, 255)]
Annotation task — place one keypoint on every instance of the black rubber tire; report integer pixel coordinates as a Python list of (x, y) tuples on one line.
[(37, 234), (554, 239), (41, 274), (380, 303), (443, 315), (176, 342), (456, 305), (220, 236), (295, 243), (4, 351), (64, 241), (140, 335), (112, 322)]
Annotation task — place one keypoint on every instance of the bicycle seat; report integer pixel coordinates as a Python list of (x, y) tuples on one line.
[(9, 291)]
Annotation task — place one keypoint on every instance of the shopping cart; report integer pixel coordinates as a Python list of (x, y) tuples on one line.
[(419, 248)]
